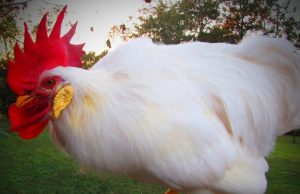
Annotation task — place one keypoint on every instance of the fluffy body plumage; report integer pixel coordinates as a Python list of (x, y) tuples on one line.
[(193, 117)]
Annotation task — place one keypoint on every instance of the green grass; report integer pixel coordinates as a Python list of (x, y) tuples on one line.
[(284, 166), (36, 166)]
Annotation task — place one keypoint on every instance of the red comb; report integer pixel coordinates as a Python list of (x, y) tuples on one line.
[(45, 53)]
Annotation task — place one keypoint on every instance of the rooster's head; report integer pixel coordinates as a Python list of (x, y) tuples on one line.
[(41, 97)]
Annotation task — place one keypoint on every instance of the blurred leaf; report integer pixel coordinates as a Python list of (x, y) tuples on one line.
[(90, 58)]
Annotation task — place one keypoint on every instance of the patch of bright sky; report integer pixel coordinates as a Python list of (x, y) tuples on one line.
[(99, 14)]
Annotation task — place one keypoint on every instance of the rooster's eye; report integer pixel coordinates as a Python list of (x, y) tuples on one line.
[(49, 84)]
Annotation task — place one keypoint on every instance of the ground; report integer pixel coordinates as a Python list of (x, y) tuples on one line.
[(37, 166)]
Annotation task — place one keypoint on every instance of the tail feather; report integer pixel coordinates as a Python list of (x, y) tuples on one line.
[(246, 177), (281, 57)]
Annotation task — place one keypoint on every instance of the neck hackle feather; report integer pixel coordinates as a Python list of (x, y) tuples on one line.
[(45, 53)]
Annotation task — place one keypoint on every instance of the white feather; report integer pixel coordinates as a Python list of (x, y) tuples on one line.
[(195, 117)]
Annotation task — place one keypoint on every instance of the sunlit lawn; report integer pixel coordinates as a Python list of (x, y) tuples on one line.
[(36, 166)]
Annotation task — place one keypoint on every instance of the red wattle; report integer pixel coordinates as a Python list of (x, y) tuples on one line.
[(29, 121)]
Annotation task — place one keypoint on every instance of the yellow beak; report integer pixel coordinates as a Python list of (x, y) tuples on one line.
[(23, 100)]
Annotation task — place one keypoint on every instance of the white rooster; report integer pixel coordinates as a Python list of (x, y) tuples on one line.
[(195, 117)]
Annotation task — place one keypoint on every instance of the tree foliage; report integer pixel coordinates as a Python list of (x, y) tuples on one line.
[(283, 24), (182, 21), (162, 25), (212, 21), (241, 16), (90, 58), (6, 96), (8, 26), (271, 17)]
